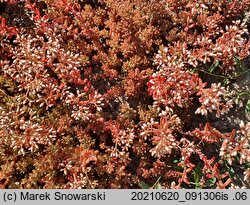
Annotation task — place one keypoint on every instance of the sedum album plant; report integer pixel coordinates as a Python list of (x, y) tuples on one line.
[(116, 94)]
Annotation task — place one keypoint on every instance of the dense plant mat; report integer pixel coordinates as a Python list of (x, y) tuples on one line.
[(124, 94)]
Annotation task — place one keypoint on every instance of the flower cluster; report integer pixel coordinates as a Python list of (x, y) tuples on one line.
[(211, 100), (238, 144), (109, 94)]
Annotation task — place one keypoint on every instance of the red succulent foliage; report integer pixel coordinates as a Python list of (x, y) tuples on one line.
[(103, 94)]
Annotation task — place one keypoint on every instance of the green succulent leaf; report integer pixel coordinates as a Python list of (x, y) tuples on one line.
[(143, 185)]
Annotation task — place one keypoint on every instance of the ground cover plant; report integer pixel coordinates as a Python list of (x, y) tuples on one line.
[(124, 94)]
